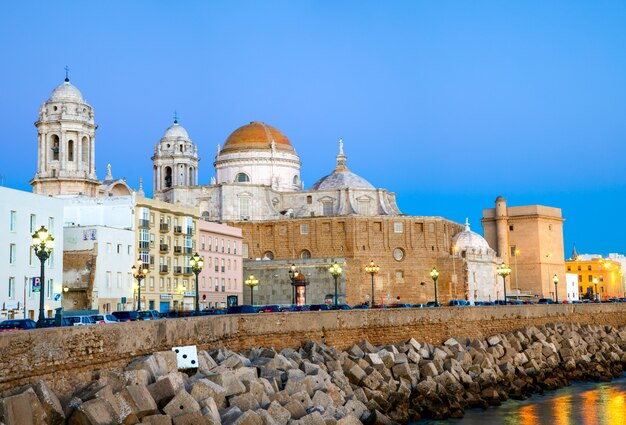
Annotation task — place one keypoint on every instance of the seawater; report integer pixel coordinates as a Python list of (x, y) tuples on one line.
[(584, 403)]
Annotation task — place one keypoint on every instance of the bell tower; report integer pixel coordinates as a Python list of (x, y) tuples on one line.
[(66, 145)]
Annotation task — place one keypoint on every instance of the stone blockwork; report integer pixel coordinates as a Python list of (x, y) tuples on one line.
[(64, 357)]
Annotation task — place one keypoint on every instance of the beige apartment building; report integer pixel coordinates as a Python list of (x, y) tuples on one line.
[(529, 239), (166, 239)]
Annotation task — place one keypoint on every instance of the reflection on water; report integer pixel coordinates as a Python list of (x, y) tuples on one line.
[(580, 404)]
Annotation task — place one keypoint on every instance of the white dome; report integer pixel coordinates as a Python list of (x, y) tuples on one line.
[(468, 240), (66, 92), (342, 180), (175, 131)]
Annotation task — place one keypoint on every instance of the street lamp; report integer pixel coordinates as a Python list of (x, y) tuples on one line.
[(555, 279), (504, 270), (196, 267), (335, 270), (43, 244), (251, 282), (139, 272), (434, 273), (595, 291), (293, 274), (372, 269)]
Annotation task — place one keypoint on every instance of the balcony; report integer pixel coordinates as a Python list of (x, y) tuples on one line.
[(163, 269), (144, 223), (144, 245), (188, 250), (164, 227), (164, 248), (178, 249), (178, 229), (189, 231), (187, 270), (178, 269)]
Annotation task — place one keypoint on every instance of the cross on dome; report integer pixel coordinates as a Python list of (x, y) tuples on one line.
[(67, 77)]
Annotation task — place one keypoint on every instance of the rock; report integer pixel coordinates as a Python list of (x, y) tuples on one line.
[(295, 408), (230, 415), (314, 418), (139, 399), (193, 418), (428, 369), (97, 411), (50, 403), (204, 388), (355, 408), (229, 382), (244, 402), (22, 409), (163, 390), (181, 404), (249, 418), (280, 415), (322, 399), (401, 371), (356, 374), (349, 420), (266, 417), (157, 420)]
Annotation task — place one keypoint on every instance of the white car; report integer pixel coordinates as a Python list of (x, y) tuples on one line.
[(104, 318), (80, 320)]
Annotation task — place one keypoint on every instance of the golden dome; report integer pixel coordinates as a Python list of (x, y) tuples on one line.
[(256, 136)]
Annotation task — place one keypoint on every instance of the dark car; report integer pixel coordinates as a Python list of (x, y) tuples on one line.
[(400, 305), (149, 315), (545, 301), (17, 324), (269, 309), (318, 307), (126, 316), (240, 309), (209, 312), (341, 307), (433, 304), (296, 308), (379, 306), (362, 306), (51, 322)]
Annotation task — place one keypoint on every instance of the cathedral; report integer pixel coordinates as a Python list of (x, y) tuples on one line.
[(258, 188)]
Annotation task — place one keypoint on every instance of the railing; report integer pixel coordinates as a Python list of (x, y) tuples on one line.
[(178, 249), (187, 270), (190, 230), (178, 269), (144, 223), (164, 227), (163, 248), (188, 250), (163, 269), (178, 229), (144, 244)]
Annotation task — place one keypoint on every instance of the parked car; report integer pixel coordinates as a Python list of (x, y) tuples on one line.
[(400, 305), (240, 309), (318, 307), (296, 308), (50, 322), (17, 325), (458, 303), (379, 306), (545, 301), (210, 312), (269, 309), (363, 306), (433, 304), (418, 305), (104, 318), (341, 307), (80, 320), (149, 315), (126, 316)]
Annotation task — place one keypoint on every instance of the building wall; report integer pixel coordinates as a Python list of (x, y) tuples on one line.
[(607, 272), (536, 232), (112, 211), (220, 243), (114, 255), (424, 242), (80, 351), (571, 288), (45, 211)]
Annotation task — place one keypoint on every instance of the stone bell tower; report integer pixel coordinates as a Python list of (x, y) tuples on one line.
[(66, 145)]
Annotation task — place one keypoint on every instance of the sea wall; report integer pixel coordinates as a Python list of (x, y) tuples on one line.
[(64, 357)]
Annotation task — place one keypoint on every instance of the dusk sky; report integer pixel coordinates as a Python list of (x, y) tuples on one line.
[(447, 103)]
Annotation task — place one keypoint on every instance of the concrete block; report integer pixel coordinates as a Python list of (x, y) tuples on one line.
[(206, 363), (296, 409), (356, 374), (22, 409), (322, 399), (266, 417), (244, 402), (209, 407), (304, 398), (157, 420), (229, 382), (97, 411), (355, 407), (163, 390), (166, 361), (192, 418), (230, 415), (204, 388), (140, 400), (280, 415), (249, 418), (349, 420), (50, 403), (181, 404), (314, 418)]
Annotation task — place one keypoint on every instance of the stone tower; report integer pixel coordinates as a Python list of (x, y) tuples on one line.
[(175, 161), (66, 145)]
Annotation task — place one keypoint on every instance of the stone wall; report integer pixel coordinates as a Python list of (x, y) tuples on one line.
[(66, 357)]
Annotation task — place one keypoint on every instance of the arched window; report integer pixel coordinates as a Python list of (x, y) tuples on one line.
[(191, 175), (269, 255), (85, 150), (305, 254), (242, 178), (70, 150), (55, 147), (205, 215), (168, 177), (296, 180)]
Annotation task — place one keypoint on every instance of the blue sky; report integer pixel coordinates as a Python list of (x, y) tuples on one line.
[(447, 103)]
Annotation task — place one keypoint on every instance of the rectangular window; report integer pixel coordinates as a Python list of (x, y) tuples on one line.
[(579, 268), (13, 221), (11, 288), (217, 284), (33, 223), (49, 288), (235, 247), (244, 250), (130, 250), (589, 268), (210, 243), (304, 229), (203, 283), (398, 227), (169, 284), (202, 242), (580, 278), (229, 264), (590, 278), (327, 208), (119, 248), (152, 283), (244, 208), (223, 285), (228, 247), (109, 279), (31, 255), (511, 228), (119, 280), (399, 276), (222, 245), (109, 247), (12, 253), (513, 249), (51, 224)]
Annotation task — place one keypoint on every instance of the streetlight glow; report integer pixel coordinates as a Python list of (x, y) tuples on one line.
[(43, 244)]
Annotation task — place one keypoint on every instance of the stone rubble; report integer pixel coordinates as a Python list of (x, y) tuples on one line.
[(319, 385)]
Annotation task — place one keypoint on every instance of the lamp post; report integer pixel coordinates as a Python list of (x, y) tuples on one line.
[(336, 270), (504, 270), (434, 273), (293, 274), (517, 251), (595, 290), (43, 244), (555, 279), (372, 269), (196, 267), (139, 272), (251, 282)]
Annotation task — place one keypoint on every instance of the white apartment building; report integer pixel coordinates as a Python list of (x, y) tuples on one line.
[(109, 285), (21, 214)]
